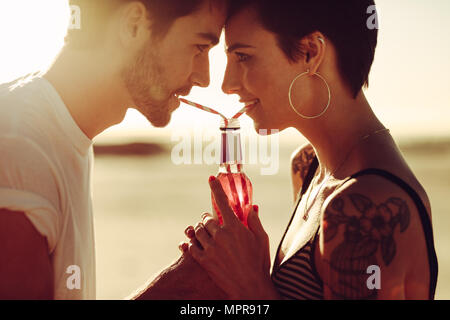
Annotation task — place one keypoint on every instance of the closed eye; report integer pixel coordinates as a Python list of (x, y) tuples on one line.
[(202, 47), (242, 57)]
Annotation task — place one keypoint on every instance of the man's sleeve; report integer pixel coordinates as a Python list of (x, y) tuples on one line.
[(28, 183)]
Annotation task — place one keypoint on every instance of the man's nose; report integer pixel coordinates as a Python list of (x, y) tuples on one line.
[(231, 81), (200, 75)]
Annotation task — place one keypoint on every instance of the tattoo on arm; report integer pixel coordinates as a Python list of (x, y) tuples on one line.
[(301, 162), (368, 227)]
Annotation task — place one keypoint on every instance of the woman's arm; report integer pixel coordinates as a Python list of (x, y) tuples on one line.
[(372, 244)]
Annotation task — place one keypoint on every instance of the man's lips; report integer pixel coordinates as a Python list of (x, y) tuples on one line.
[(182, 92), (173, 103)]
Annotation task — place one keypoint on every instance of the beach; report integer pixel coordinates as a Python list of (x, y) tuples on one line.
[(143, 202)]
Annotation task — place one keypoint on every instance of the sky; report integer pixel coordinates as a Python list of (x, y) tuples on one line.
[(409, 81)]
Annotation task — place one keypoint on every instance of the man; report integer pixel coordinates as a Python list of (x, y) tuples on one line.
[(140, 54)]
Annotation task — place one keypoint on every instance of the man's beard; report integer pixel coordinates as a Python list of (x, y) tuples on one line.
[(147, 86)]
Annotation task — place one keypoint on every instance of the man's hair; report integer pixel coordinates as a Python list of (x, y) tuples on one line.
[(95, 15), (343, 22)]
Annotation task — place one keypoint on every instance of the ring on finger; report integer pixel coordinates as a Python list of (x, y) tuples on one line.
[(202, 235), (211, 226)]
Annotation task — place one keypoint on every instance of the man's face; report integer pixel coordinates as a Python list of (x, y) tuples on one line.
[(168, 67)]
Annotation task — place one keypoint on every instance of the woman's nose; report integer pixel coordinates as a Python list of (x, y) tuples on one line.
[(231, 82)]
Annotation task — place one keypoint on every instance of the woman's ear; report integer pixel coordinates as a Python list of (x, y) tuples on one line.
[(314, 46)]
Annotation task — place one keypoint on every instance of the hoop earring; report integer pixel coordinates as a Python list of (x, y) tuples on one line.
[(290, 98)]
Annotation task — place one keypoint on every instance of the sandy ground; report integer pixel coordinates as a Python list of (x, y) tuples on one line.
[(142, 205)]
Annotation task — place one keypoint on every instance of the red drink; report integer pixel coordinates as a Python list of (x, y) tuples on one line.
[(238, 188), (234, 181)]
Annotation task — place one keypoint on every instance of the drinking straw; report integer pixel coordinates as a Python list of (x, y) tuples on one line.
[(237, 209), (204, 108)]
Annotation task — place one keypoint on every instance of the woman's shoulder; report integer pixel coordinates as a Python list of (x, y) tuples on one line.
[(393, 177), (391, 189), (384, 219)]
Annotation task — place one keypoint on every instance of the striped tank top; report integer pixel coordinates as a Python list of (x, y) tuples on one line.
[(297, 277)]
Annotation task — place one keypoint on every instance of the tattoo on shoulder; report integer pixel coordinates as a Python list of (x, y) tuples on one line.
[(301, 162), (368, 227)]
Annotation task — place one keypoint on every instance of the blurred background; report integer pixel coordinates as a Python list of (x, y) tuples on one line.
[(143, 201)]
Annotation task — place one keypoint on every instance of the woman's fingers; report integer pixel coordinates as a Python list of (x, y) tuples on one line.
[(254, 223), (203, 236), (196, 252), (210, 224), (222, 202), (189, 232), (183, 246)]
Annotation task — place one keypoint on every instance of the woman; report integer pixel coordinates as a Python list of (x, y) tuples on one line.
[(356, 232)]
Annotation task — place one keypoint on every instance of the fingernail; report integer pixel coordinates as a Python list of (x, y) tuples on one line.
[(198, 226), (189, 231), (205, 215), (182, 246), (255, 208), (212, 178)]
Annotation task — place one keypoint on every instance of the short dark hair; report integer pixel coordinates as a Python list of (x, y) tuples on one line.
[(95, 14), (343, 22)]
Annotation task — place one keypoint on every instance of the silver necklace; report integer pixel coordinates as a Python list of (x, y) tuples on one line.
[(305, 210)]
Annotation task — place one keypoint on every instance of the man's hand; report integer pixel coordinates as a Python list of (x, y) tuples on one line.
[(183, 280)]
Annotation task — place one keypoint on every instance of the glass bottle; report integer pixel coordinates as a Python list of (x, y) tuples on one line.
[(234, 181)]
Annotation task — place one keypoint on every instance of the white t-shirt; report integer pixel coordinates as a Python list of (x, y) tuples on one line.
[(45, 172)]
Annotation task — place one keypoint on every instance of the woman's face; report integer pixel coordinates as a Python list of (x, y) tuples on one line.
[(258, 70)]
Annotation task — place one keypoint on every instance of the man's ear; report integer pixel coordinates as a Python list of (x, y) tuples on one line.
[(134, 25), (313, 47)]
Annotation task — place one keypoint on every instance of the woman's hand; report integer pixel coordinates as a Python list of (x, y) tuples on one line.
[(236, 258)]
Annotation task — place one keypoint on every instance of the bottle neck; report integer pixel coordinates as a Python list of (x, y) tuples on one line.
[(230, 168), (231, 150)]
